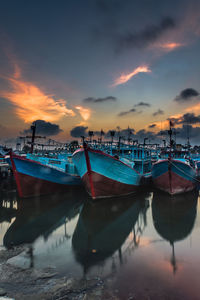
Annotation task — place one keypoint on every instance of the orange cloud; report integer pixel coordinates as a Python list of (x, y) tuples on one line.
[(169, 46), (163, 125), (31, 103), (126, 77), (84, 112), (194, 108)]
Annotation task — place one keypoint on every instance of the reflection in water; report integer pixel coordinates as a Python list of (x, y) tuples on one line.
[(8, 203), (103, 227), (41, 216), (174, 217)]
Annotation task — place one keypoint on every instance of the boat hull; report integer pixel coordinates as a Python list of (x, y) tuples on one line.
[(173, 176), (104, 175), (35, 179)]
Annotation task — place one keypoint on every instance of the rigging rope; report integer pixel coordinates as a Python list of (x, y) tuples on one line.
[(194, 178)]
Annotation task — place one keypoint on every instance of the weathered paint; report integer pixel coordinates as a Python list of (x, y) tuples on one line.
[(173, 176)]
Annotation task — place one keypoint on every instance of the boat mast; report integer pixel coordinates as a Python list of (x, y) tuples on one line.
[(170, 137), (33, 128), (169, 159)]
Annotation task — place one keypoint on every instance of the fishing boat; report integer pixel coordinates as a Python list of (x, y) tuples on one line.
[(175, 173), (105, 175), (34, 178), (196, 161), (174, 176)]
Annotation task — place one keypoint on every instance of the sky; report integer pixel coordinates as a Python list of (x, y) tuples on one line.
[(77, 65)]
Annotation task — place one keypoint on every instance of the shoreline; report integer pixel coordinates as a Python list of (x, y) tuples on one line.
[(20, 283)]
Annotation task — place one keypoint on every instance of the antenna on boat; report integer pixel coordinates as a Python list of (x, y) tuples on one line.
[(164, 143), (119, 142), (33, 128), (145, 139), (112, 134), (91, 134), (129, 135), (83, 139), (101, 135)]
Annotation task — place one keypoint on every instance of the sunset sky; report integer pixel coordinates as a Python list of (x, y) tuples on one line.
[(80, 65)]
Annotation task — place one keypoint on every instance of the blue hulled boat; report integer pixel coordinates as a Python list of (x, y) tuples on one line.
[(176, 172), (174, 176), (104, 175), (34, 178)]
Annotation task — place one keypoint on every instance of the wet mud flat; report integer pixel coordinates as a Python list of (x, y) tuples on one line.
[(29, 283), (22, 283)]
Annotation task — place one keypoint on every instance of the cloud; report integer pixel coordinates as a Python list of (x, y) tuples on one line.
[(124, 113), (79, 131), (125, 133), (158, 112), (141, 134), (99, 132), (44, 128), (188, 118), (188, 131), (100, 100), (31, 103), (183, 132), (186, 95), (84, 112), (142, 104), (152, 126), (168, 46), (145, 37), (123, 78)]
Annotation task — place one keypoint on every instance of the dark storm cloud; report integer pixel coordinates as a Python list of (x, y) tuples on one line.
[(145, 37), (79, 131), (44, 128), (128, 132), (189, 118), (124, 113), (131, 133), (188, 130), (152, 126), (158, 112), (99, 100), (142, 104), (141, 134), (186, 95), (182, 133)]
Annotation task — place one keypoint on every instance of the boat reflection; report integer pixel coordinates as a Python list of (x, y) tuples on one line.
[(8, 204), (104, 226), (41, 216), (174, 218)]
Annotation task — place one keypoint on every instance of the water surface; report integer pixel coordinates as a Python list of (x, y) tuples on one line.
[(145, 244)]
